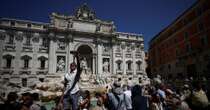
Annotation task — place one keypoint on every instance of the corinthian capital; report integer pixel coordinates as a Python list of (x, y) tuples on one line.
[(52, 36), (19, 36)]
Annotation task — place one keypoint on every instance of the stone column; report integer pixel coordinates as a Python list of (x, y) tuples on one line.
[(143, 65), (94, 64), (35, 39), (67, 57), (113, 59), (17, 60), (2, 38), (52, 54), (134, 59), (99, 58), (124, 57)]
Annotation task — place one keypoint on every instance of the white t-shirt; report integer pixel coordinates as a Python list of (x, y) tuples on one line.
[(70, 80)]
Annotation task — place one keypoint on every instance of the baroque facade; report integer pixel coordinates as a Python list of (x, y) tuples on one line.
[(33, 51)]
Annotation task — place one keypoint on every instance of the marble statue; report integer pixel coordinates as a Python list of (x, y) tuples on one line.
[(84, 65), (61, 65), (106, 66)]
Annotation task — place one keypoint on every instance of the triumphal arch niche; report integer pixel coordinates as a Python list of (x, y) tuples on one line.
[(44, 48)]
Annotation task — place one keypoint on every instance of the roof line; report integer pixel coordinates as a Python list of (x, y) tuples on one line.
[(27, 21), (187, 10)]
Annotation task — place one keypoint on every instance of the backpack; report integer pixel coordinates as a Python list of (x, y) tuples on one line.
[(121, 104)]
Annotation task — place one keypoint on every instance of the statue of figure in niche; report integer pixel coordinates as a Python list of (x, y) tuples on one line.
[(106, 66), (84, 65), (61, 65)]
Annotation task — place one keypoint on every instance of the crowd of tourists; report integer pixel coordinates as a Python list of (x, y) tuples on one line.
[(156, 96)]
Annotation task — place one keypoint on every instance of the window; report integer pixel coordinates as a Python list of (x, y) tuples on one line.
[(186, 35), (199, 11), (8, 58), (204, 40), (29, 25), (26, 60), (188, 47), (42, 64), (8, 62), (118, 65), (184, 21), (42, 60), (11, 39), (138, 66), (41, 79), (129, 66), (26, 63), (12, 24), (177, 52), (24, 82), (200, 27)]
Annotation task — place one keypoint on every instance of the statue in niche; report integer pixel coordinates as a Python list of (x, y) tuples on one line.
[(106, 66), (61, 65), (84, 65)]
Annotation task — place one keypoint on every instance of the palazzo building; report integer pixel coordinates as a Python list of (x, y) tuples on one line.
[(34, 51), (182, 49)]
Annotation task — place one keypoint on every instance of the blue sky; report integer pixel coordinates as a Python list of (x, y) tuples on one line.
[(147, 17)]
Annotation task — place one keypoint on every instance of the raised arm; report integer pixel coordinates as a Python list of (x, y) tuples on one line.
[(79, 70)]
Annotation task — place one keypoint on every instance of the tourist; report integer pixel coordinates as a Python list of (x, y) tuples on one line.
[(199, 99), (117, 99), (102, 101), (11, 102), (84, 103), (27, 101), (155, 103), (71, 93), (37, 105), (139, 102), (127, 91)]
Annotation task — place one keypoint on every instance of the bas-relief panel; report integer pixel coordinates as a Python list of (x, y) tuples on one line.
[(84, 27)]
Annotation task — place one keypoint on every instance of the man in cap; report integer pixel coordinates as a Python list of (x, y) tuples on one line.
[(71, 93)]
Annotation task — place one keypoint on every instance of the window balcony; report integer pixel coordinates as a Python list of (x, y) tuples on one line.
[(43, 48), (129, 72), (27, 72), (9, 46), (119, 71), (140, 72), (7, 71), (118, 54), (27, 47), (42, 72)]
